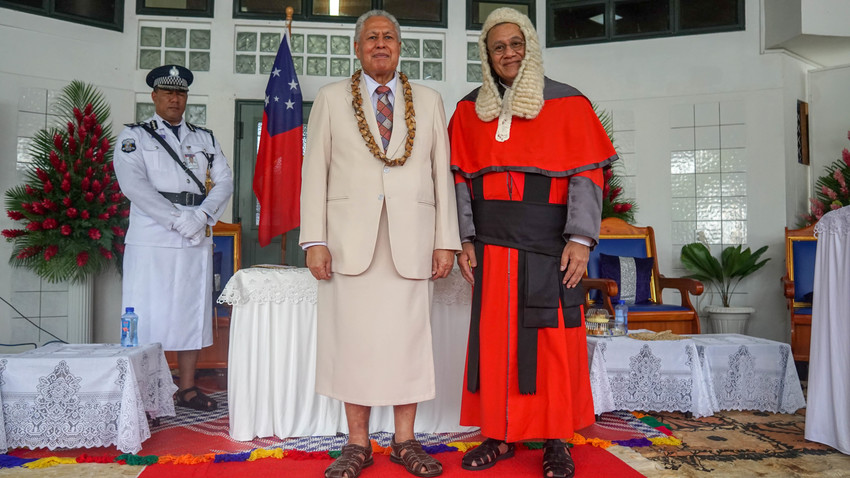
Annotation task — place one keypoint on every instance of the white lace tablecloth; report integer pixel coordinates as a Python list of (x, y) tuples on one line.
[(83, 395), (750, 373), (664, 375), (272, 358)]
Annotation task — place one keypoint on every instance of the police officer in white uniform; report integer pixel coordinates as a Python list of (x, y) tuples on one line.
[(165, 166)]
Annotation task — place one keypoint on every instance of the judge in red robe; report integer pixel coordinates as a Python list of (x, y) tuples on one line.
[(527, 155)]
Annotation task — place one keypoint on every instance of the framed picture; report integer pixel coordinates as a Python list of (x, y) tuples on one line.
[(802, 132)]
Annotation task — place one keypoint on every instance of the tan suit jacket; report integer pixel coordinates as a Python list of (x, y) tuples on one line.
[(344, 187)]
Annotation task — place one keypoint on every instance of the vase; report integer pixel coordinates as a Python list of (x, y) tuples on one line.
[(728, 320)]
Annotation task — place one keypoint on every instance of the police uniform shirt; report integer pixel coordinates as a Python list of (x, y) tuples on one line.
[(144, 168)]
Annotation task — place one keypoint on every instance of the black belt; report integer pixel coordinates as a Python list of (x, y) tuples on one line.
[(184, 198)]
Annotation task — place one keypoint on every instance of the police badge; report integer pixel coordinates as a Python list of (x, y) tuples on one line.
[(128, 145)]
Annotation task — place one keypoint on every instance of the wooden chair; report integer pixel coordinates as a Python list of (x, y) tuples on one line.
[(798, 285), (619, 238), (227, 259)]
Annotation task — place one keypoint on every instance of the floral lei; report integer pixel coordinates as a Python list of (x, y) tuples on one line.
[(409, 119)]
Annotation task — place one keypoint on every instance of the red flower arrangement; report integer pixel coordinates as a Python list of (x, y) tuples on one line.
[(71, 227), (833, 192), (614, 204)]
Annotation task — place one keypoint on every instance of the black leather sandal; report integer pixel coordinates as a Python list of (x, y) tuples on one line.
[(557, 460), (485, 455), (200, 401)]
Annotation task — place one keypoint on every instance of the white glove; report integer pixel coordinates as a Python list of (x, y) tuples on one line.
[(196, 239), (190, 222)]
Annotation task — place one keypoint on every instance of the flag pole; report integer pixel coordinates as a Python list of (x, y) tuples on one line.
[(289, 12)]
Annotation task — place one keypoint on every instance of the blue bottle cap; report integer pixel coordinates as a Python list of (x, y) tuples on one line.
[(129, 309), (623, 301)]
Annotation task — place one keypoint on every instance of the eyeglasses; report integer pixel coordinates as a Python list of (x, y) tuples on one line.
[(500, 48)]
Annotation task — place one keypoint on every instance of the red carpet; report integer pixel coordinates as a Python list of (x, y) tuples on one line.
[(591, 462)]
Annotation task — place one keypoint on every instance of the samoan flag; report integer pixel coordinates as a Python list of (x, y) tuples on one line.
[(277, 176)]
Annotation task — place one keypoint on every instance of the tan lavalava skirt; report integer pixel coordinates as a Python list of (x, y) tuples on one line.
[(374, 334)]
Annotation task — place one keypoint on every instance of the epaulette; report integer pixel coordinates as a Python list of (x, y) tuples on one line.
[(151, 123), (193, 127)]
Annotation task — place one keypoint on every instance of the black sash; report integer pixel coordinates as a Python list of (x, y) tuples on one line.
[(534, 227), (174, 156)]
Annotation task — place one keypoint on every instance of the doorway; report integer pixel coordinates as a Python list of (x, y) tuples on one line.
[(246, 208)]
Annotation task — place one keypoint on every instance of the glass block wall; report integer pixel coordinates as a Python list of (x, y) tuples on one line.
[(473, 65), (708, 166), (196, 109), (162, 43), (330, 53)]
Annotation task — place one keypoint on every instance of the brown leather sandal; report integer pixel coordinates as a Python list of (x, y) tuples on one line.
[(410, 454), (486, 455), (557, 460), (351, 462)]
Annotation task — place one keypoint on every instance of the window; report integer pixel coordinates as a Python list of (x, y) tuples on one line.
[(180, 8), (422, 12), (571, 22), (477, 10), (107, 14)]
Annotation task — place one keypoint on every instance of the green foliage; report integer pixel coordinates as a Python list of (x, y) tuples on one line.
[(73, 214), (832, 189), (724, 275), (613, 203)]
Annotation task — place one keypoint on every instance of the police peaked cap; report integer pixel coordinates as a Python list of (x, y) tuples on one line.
[(170, 77)]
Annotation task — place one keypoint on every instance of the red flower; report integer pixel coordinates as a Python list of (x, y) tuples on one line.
[(89, 154), (72, 212), (104, 144), (50, 252), (89, 171), (89, 196), (65, 230), (78, 164), (54, 159), (66, 201), (30, 191), (616, 192), (118, 231), (88, 109), (608, 174), (78, 114), (96, 186), (85, 184), (49, 223), (106, 253), (112, 210), (41, 174), (48, 186), (65, 186), (72, 144), (34, 226), (82, 132), (622, 207), (115, 197), (84, 214), (98, 129), (104, 216), (63, 168), (57, 141), (37, 208), (119, 247), (101, 198), (845, 155), (15, 215), (605, 190), (27, 207), (70, 128), (29, 252), (125, 212), (115, 187), (94, 233), (82, 258), (98, 157), (12, 233), (48, 204)]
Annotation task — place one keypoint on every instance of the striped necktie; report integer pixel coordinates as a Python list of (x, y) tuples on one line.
[(384, 115)]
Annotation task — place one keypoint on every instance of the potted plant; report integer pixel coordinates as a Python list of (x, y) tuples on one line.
[(723, 276)]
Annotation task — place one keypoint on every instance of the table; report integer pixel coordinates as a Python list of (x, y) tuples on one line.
[(272, 358), (664, 375), (83, 395), (700, 374), (750, 373)]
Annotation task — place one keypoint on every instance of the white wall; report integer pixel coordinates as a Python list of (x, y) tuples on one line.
[(829, 118), (640, 81)]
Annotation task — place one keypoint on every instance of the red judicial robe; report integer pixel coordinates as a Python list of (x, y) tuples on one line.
[(565, 141)]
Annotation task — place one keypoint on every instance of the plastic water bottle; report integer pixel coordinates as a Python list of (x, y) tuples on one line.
[(129, 328), (621, 317)]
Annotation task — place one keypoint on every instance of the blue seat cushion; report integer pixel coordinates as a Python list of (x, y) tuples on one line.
[(653, 307), (803, 310), (633, 276)]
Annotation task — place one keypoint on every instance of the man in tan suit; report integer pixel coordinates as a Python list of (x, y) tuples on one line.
[(379, 223)]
